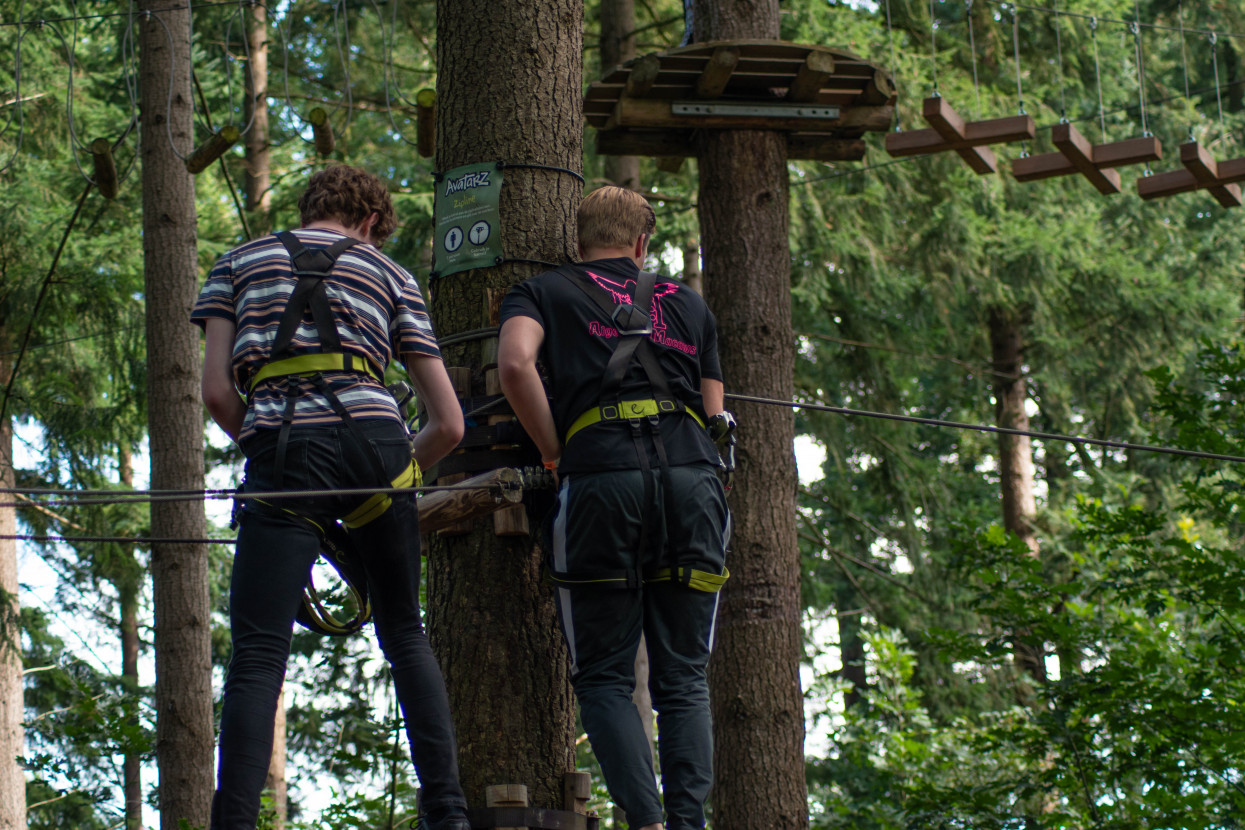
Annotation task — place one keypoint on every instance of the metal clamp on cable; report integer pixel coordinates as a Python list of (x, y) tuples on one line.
[(721, 429)]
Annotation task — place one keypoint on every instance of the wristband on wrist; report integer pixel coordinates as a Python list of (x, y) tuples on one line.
[(551, 465)]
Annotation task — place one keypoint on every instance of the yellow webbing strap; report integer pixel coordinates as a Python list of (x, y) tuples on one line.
[(626, 411), (378, 503), (307, 364), (703, 581), (325, 619)]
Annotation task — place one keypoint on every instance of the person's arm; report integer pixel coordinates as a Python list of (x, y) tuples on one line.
[(444, 427), (219, 395), (518, 345), (712, 394)]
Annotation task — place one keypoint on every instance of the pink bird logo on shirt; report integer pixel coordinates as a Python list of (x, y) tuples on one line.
[(622, 294)]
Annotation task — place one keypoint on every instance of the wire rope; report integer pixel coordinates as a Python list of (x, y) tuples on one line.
[(387, 66), (1214, 53), (1102, 117), (341, 24), (972, 51), (1184, 60), (1020, 94), (1063, 102), (1135, 28), (890, 32), (933, 47)]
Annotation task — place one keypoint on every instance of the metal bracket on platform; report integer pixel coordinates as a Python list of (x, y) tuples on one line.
[(753, 110)]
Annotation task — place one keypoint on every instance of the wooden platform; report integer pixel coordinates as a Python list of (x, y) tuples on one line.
[(824, 99)]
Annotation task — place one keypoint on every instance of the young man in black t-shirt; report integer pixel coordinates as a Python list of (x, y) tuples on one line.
[(641, 526)]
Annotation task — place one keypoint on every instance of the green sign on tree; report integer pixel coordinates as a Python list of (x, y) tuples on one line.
[(468, 224)]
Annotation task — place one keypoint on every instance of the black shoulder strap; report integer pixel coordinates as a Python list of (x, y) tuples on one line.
[(311, 267), (635, 326)]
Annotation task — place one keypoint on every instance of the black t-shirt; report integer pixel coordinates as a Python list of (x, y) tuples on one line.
[(579, 339)]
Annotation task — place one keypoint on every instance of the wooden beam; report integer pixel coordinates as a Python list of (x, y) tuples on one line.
[(815, 71), (1096, 162), (968, 139), (650, 112), (642, 76), (879, 89), (482, 495), (717, 72), (1103, 157), (1201, 172)]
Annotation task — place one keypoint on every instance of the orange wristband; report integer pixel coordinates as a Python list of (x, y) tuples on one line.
[(551, 465)]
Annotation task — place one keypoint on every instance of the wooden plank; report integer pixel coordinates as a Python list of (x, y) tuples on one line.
[(576, 790), (814, 72), (1129, 151), (631, 112), (1223, 187), (717, 72), (506, 795), (996, 131), (879, 89), (1103, 157)]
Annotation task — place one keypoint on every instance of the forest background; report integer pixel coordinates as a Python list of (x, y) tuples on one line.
[(998, 632)]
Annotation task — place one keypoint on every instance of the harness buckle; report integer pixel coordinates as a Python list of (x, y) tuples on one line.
[(630, 311)]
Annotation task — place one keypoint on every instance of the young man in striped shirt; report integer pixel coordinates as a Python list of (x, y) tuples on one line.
[(317, 417)]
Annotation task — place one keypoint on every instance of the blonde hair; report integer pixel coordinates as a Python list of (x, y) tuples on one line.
[(614, 217)]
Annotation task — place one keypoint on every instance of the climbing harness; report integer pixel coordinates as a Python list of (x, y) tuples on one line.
[(312, 267), (634, 345)]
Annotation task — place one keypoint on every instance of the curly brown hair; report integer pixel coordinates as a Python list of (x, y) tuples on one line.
[(348, 195)]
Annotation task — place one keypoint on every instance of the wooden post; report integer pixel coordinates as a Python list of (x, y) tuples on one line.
[(814, 72), (576, 788), (642, 76), (105, 168), (717, 72), (426, 122), (321, 131), (968, 139), (212, 149), (506, 795)]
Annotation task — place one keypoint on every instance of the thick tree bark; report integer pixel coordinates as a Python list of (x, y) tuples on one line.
[(754, 674), (1015, 456), (12, 707), (184, 734), (617, 47), (256, 179), (508, 90)]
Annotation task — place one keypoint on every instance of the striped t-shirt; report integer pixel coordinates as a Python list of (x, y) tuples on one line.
[(377, 305)]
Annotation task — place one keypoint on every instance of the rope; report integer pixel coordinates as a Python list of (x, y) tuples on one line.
[(1046, 436), (972, 51)]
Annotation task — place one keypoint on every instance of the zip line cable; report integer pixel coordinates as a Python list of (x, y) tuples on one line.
[(938, 422)]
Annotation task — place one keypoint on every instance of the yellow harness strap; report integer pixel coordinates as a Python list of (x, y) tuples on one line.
[(627, 411), (709, 583), (309, 364), (378, 503)]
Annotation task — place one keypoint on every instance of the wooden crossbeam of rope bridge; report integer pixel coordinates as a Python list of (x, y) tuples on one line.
[(969, 139), (1201, 172), (1096, 162)]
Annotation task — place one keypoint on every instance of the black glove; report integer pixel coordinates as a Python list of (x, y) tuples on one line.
[(721, 429)]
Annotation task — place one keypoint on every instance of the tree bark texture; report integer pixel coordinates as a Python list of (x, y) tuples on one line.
[(257, 176), (508, 90), (126, 580), (618, 47), (1015, 455), (184, 733), (12, 706), (754, 674)]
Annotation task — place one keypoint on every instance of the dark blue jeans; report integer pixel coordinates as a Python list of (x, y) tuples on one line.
[(274, 556), (597, 527)]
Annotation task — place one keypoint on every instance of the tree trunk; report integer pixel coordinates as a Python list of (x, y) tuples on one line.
[(617, 47), (691, 266), (275, 782), (1015, 456), (12, 706), (184, 734), (851, 644), (126, 581), (508, 90), (754, 674), (256, 178)]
